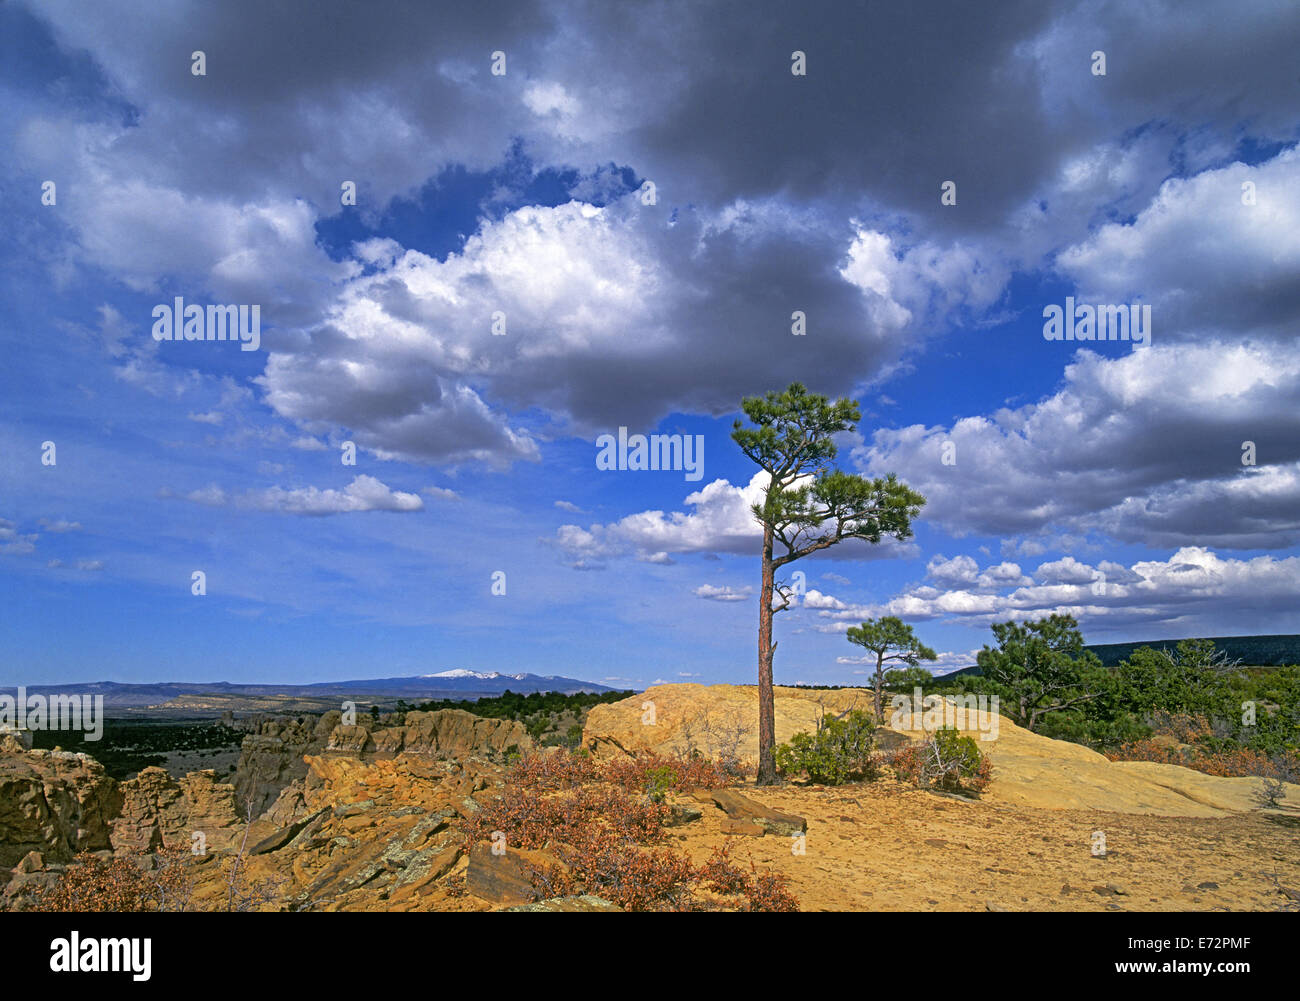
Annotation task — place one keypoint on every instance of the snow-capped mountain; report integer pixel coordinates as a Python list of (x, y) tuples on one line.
[(462, 682), (454, 684)]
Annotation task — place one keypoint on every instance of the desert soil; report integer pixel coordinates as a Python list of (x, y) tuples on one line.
[(893, 848)]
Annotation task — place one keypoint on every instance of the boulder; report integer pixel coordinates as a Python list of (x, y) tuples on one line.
[(434, 859), (504, 879), (350, 740), (745, 810), (285, 834), (681, 814), (713, 719)]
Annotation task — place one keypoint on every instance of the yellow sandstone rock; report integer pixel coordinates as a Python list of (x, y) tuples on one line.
[(1028, 769)]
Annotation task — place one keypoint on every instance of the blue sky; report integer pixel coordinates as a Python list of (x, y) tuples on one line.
[(1101, 479)]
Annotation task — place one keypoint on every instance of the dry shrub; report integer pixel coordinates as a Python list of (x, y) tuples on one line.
[(157, 882), (1189, 730), (160, 881), (1186, 728), (552, 771), (946, 761), (648, 772), (661, 879), (530, 820), (1271, 793), (569, 770), (714, 739), (758, 891), (603, 825), (1241, 762)]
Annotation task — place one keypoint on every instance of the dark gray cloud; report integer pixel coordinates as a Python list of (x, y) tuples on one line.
[(298, 98), (817, 193)]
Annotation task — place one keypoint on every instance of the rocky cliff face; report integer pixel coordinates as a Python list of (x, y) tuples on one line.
[(450, 733), (158, 810), (272, 757), (53, 802), (59, 804)]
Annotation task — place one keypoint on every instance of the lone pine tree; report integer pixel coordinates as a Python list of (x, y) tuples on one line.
[(808, 505)]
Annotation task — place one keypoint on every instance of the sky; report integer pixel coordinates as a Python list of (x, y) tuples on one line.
[(639, 198)]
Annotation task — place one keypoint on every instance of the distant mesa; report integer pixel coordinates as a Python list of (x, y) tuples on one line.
[(1273, 650)]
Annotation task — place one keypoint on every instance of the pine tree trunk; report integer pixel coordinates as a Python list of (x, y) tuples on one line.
[(880, 685), (766, 699)]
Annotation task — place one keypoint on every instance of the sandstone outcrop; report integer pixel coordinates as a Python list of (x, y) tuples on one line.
[(451, 733), (53, 802), (272, 757), (713, 719), (158, 811), (1028, 769), (374, 821), (377, 833), (304, 775)]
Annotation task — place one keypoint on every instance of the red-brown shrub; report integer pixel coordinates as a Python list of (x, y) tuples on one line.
[(682, 774), (597, 820), (1188, 731), (160, 882)]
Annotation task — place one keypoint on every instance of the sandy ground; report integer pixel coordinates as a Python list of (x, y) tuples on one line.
[(889, 847)]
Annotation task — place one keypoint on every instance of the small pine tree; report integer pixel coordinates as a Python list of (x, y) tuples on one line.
[(892, 641)]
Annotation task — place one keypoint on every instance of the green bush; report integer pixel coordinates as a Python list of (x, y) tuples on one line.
[(961, 752), (658, 781), (537, 725), (839, 751)]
